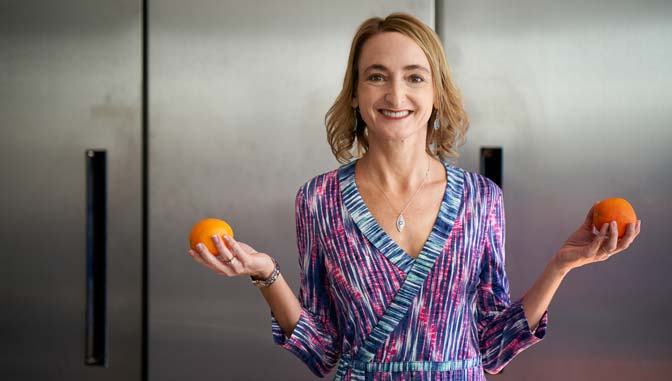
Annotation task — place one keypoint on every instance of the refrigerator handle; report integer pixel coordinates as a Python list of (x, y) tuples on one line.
[(491, 164), (96, 352)]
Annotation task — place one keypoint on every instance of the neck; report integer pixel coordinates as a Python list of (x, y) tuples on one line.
[(399, 170)]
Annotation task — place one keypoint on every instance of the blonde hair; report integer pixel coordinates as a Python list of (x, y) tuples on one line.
[(453, 120)]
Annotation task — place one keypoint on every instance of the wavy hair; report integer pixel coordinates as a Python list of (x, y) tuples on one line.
[(453, 120)]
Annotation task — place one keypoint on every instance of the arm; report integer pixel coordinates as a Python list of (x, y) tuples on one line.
[(538, 297), (503, 328), (278, 295), (307, 327), (581, 248), (284, 305)]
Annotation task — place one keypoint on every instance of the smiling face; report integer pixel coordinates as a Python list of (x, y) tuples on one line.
[(394, 89)]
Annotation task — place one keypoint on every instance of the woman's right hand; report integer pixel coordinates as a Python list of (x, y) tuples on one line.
[(247, 260)]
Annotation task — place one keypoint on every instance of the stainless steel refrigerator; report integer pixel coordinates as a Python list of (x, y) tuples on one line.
[(123, 123), (71, 206)]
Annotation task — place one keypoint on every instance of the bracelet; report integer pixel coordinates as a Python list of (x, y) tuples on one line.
[(270, 280)]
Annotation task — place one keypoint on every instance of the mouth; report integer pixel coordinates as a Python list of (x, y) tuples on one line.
[(395, 115)]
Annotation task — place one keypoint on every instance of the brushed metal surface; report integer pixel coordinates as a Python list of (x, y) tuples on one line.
[(579, 96), (238, 94), (69, 81)]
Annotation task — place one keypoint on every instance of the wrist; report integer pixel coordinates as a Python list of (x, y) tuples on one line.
[(268, 281), (266, 271), (559, 267)]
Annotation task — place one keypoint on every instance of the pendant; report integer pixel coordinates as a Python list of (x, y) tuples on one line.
[(400, 223)]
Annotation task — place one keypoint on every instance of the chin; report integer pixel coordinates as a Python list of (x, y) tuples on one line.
[(390, 134)]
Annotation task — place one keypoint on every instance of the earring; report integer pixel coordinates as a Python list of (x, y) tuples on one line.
[(354, 123), (436, 123)]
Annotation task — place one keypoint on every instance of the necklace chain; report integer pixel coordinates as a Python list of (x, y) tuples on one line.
[(401, 222)]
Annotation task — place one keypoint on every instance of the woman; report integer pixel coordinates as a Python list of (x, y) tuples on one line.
[(402, 253)]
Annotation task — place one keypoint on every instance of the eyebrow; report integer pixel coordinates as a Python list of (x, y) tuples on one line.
[(407, 67)]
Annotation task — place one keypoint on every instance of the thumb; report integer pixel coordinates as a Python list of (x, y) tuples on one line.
[(588, 222)]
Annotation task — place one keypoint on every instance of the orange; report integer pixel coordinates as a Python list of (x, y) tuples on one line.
[(614, 209), (204, 230)]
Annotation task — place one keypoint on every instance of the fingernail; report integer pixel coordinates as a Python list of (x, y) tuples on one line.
[(226, 237), (201, 246), (215, 237)]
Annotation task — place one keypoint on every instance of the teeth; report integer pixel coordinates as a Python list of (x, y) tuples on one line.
[(395, 114)]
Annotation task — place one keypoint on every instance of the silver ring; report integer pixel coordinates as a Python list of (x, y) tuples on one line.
[(230, 260)]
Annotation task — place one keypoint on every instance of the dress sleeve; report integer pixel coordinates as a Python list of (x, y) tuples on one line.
[(503, 330), (315, 339)]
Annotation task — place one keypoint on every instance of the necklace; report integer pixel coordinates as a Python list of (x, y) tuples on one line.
[(401, 222)]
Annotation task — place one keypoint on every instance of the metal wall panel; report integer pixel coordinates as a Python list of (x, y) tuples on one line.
[(238, 90), (579, 95), (70, 75)]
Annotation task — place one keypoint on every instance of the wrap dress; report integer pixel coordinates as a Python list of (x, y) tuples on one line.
[(374, 313)]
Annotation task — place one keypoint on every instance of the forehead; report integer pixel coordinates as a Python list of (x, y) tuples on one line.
[(393, 50)]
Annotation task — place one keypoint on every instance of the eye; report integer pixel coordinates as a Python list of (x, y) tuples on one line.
[(376, 77), (416, 78)]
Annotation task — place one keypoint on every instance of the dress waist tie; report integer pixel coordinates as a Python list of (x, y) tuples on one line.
[(369, 368)]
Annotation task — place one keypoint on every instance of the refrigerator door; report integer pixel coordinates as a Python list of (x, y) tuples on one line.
[(578, 96), (70, 164), (238, 95)]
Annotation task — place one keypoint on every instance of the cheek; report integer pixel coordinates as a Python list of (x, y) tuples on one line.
[(429, 99), (427, 110), (366, 96), (428, 102), (367, 99)]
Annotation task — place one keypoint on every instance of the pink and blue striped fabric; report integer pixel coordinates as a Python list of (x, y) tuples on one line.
[(461, 322)]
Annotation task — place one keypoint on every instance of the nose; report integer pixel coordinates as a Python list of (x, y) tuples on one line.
[(395, 93)]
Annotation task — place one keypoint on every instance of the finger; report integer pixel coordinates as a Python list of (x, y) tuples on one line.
[(197, 257), (224, 253), (596, 249), (627, 239), (202, 252), (638, 227), (599, 238), (237, 250), (226, 257), (230, 259), (612, 239), (212, 260)]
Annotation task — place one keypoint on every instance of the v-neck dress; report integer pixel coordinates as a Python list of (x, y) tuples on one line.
[(351, 271)]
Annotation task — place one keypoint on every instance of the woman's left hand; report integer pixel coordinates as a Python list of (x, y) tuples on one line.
[(584, 247)]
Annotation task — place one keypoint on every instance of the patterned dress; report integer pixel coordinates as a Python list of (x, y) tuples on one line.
[(373, 312)]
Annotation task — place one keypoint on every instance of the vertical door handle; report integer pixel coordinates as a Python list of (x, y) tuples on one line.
[(491, 164), (96, 352)]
